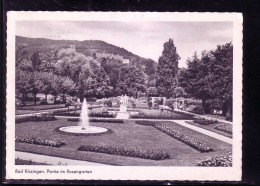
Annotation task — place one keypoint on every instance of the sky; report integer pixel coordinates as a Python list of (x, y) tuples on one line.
[(145, 39)]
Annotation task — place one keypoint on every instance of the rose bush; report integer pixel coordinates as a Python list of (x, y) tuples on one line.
[(39, 141), (136, 153)]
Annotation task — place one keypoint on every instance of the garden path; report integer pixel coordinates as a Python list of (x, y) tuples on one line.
[(53, 160)]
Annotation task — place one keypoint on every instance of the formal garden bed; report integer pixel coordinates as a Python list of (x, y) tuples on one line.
[(130, 152), (157, 114), (127, 136), (91, 114), (36, 117), (224, 127), (19, 161), (98, 120), (39, 141), (204, 121), (41, 107), (194, 143), (217, 161), (217, 127)]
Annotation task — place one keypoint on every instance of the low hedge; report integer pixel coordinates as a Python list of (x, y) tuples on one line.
[(217, 161), (92, 114), (99, 120), (129, 152), (225, 127), (39, 141), (173, 117), (19, 161), (198, 145), (203, 121), (37, 117)]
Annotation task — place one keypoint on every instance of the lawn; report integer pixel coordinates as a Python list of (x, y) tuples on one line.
[(127, 135), (210, 127)]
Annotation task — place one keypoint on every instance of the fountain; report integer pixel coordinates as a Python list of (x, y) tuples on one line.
[(83, 127)]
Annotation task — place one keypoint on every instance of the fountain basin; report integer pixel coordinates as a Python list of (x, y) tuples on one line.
[(81, 130)]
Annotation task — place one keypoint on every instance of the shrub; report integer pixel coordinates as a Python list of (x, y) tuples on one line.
[(45, 117), (182, 116), (41, 117), (24, 119), (198, 145), (204, 121), (217, 161), (143, 122), (39, 141), (99, 120), (92, 114), (225, 127), (19, 161), (125, 152)]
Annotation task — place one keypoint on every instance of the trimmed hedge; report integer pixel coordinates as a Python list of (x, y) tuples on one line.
[(225, 127), (217, 161), (19, 161), (204, 121), (41, 117), (129, 152), (179, 116), (39, 141), (198, 145), (99, 120), (92, 114)]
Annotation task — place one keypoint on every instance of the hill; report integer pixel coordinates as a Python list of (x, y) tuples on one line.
[(87, 47)]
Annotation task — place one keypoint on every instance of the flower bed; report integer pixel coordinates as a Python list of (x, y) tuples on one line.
[(92, 114), (39, 141), (99, 120), (198, 145), (41, 117), (204, 121), (217, 161), (19, 161), (224, 127), (144, 122), (177, 116), (125, 152)]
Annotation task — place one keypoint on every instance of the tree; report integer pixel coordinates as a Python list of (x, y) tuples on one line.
[(210, 78), (131, 80), (222, 68), (167, 69), (197, 79)]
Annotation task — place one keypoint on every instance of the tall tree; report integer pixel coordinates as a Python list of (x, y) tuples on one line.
[(131, 80), (167, 69)]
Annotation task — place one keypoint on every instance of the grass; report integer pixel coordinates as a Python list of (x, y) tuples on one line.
[(127, 135), (210, 127)]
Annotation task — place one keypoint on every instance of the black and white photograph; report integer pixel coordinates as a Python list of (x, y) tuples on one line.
[(102, 95)]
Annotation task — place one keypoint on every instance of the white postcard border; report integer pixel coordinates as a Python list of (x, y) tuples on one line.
[(233, 173)]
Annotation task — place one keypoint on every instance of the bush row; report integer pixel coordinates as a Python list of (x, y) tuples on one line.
[(198, 145), (92, 114), (224, 127), (99, 120), (41, 117), (125, 152), (204, 121), (217, 161), (174, 117), (19, 161), (39, 141)]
